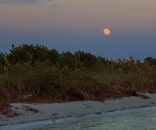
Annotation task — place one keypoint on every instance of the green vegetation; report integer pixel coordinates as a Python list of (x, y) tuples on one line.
[(53, 77)]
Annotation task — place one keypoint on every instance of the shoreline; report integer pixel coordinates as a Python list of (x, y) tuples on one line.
[(40, 112)]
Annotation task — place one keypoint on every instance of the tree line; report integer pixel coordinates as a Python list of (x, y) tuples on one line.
[(36, 53)]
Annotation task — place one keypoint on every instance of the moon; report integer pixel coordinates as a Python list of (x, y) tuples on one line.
[(106, 31)]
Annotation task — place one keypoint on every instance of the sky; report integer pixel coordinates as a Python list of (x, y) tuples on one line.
[(71, 25)]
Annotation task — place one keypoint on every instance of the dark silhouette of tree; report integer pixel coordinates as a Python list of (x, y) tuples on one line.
[(150, 60), (25, 53), (87, 59), (67, 59)]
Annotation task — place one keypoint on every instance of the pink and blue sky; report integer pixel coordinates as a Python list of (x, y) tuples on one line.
[(71, 25)]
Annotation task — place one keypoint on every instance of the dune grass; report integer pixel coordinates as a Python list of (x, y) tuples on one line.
[(76, 79)]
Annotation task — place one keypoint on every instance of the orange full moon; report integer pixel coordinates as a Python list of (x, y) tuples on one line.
[(106, 31)]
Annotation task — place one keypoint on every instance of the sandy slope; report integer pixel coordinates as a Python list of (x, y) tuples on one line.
[(56, 111)]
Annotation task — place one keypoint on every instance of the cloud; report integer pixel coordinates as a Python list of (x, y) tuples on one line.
[(23, 2), (53, 6), (140, 9)]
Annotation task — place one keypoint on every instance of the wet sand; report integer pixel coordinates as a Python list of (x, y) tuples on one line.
[(39, 112)]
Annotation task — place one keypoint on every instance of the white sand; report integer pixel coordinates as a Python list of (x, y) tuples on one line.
[(72, 109)]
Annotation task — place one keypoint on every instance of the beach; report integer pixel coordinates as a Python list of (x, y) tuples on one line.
[(33, 113)]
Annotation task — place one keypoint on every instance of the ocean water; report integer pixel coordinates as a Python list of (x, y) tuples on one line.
[(130, 119)]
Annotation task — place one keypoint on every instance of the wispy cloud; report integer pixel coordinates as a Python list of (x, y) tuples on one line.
[(54, 6), (23, 2), (140, 9)]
